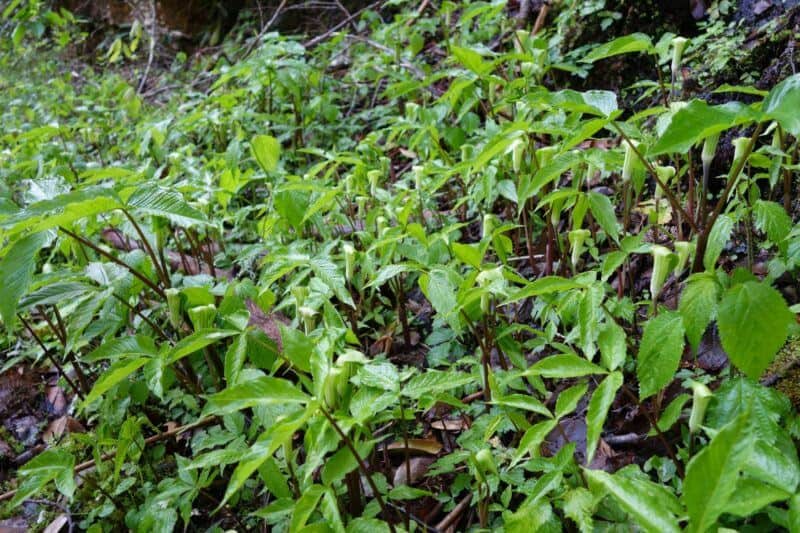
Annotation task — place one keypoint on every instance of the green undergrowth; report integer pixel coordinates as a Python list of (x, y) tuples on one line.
[(398, 279)]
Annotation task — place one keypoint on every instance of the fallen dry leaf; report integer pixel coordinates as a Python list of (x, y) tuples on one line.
[(417, 466), (431, 446), (56, 401), (449, 425), (61, 425)]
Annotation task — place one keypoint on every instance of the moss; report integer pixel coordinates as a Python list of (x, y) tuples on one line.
[(789, 382)]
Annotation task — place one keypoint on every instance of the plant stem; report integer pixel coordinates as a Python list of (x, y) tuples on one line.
[(155, 288), (160, 271), (361, 465), (673, 200), (654, 424), (53, 360), (702, 239)]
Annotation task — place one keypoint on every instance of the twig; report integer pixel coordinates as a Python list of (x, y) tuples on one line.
[(418, 13), (455, 514), (325, 36), (407, 64), (627, 438), (540, 18), (263, 31)]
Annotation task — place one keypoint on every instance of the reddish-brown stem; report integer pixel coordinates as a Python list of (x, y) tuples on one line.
[(361, 465), (673, 200), (160, 269), (52, 359), (144, 279), (702, 239)]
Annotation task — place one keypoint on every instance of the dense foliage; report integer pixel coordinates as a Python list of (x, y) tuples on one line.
[(399, 278)]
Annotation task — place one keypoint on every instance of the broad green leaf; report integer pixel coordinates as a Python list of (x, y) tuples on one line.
[(782, 104), (291, 205), (717, 239), (499, 144), (382, 375), (235, 358), (579, 506), (765, 406), (531, 516), (643, 500), (590, 312), (564, 366), (305, 506), (297, 347), (471, 59), (469, 254), (712, 474), (671, 414), (753, 325), (267, 151), (635, 42), (659, 353), (441, 292), (265, 390), (524, 402), (124, 347), (603, 213), (267, 443), (404, 492), (601, 401), (197, 341), (324, 202), (274, 480), (367, 525), (794, 513), (50, 465), (752, 496), (386, 273), (168, 203), (434, 382), (331, 517), (56, 293), (611, 342), (771, 218), (115, 374), (772, 465), (327, 271), (568, 399), (743, 89), (698, 305), (533, 438), (551, 171), (62, 210), (342, 462), (16, 271), (698, 120), (600, 103), (546, 285)]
